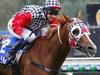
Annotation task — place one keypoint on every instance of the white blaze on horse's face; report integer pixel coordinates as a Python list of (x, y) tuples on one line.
[(79, 37)]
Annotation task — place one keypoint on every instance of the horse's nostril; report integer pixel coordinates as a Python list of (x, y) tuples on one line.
[(91, 48)]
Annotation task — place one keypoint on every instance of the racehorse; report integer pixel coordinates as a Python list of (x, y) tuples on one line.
[(47, 55)]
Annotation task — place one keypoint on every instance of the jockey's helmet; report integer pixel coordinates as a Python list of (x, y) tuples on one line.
[(53, 6)]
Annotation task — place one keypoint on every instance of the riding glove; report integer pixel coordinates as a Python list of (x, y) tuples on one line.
[(28, 35)]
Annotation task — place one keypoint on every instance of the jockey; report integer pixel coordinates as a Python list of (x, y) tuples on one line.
[(30, 19)]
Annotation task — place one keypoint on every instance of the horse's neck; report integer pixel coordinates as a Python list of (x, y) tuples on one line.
[(57, 51), (64, 47)]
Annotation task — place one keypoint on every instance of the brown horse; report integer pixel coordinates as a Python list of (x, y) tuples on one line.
[(47, 55)]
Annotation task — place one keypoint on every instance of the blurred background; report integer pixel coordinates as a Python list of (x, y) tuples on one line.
[(69, 7), (90, 10)]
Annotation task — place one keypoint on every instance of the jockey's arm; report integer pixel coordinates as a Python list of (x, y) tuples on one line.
[(21, 21), (19, 24)]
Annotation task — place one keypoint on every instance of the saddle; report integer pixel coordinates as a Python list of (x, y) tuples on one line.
[(7, 48), (24, 48)]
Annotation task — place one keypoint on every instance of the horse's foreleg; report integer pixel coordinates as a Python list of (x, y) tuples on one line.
[(6, 71)]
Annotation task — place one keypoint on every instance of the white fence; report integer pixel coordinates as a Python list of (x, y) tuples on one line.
[(81, 65)]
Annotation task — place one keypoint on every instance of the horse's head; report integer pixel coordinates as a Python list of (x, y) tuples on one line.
[(79, 36)]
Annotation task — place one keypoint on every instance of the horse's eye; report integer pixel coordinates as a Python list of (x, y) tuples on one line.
[(75, 32)]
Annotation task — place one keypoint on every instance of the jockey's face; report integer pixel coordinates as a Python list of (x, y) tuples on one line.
[(52, 14)]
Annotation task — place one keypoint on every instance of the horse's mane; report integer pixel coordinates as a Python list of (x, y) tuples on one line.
[(64, 19)]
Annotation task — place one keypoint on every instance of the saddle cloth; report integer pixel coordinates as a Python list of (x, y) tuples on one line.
[(6, 47)]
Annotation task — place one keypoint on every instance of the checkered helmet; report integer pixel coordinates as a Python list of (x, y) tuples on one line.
[(51, 3)]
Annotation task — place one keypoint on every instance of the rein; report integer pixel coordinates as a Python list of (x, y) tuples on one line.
[(58, 28)]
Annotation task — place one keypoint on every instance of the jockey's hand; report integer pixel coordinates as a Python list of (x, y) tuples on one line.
[(31, 37), (28, 35)]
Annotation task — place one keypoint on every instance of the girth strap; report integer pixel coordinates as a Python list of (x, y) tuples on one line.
[(15, 69), (41, 66)]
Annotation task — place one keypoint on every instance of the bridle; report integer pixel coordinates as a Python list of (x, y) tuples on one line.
[(76, 30)]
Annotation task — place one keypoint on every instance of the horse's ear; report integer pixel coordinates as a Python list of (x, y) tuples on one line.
[(67, 18), (80, 14)]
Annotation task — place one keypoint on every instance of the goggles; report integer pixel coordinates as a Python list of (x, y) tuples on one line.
[(53, 12)]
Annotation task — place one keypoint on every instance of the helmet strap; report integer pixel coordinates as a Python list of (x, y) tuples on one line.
[(45, 12)]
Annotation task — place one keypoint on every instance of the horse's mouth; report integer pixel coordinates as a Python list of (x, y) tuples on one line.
[(89, 51)]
